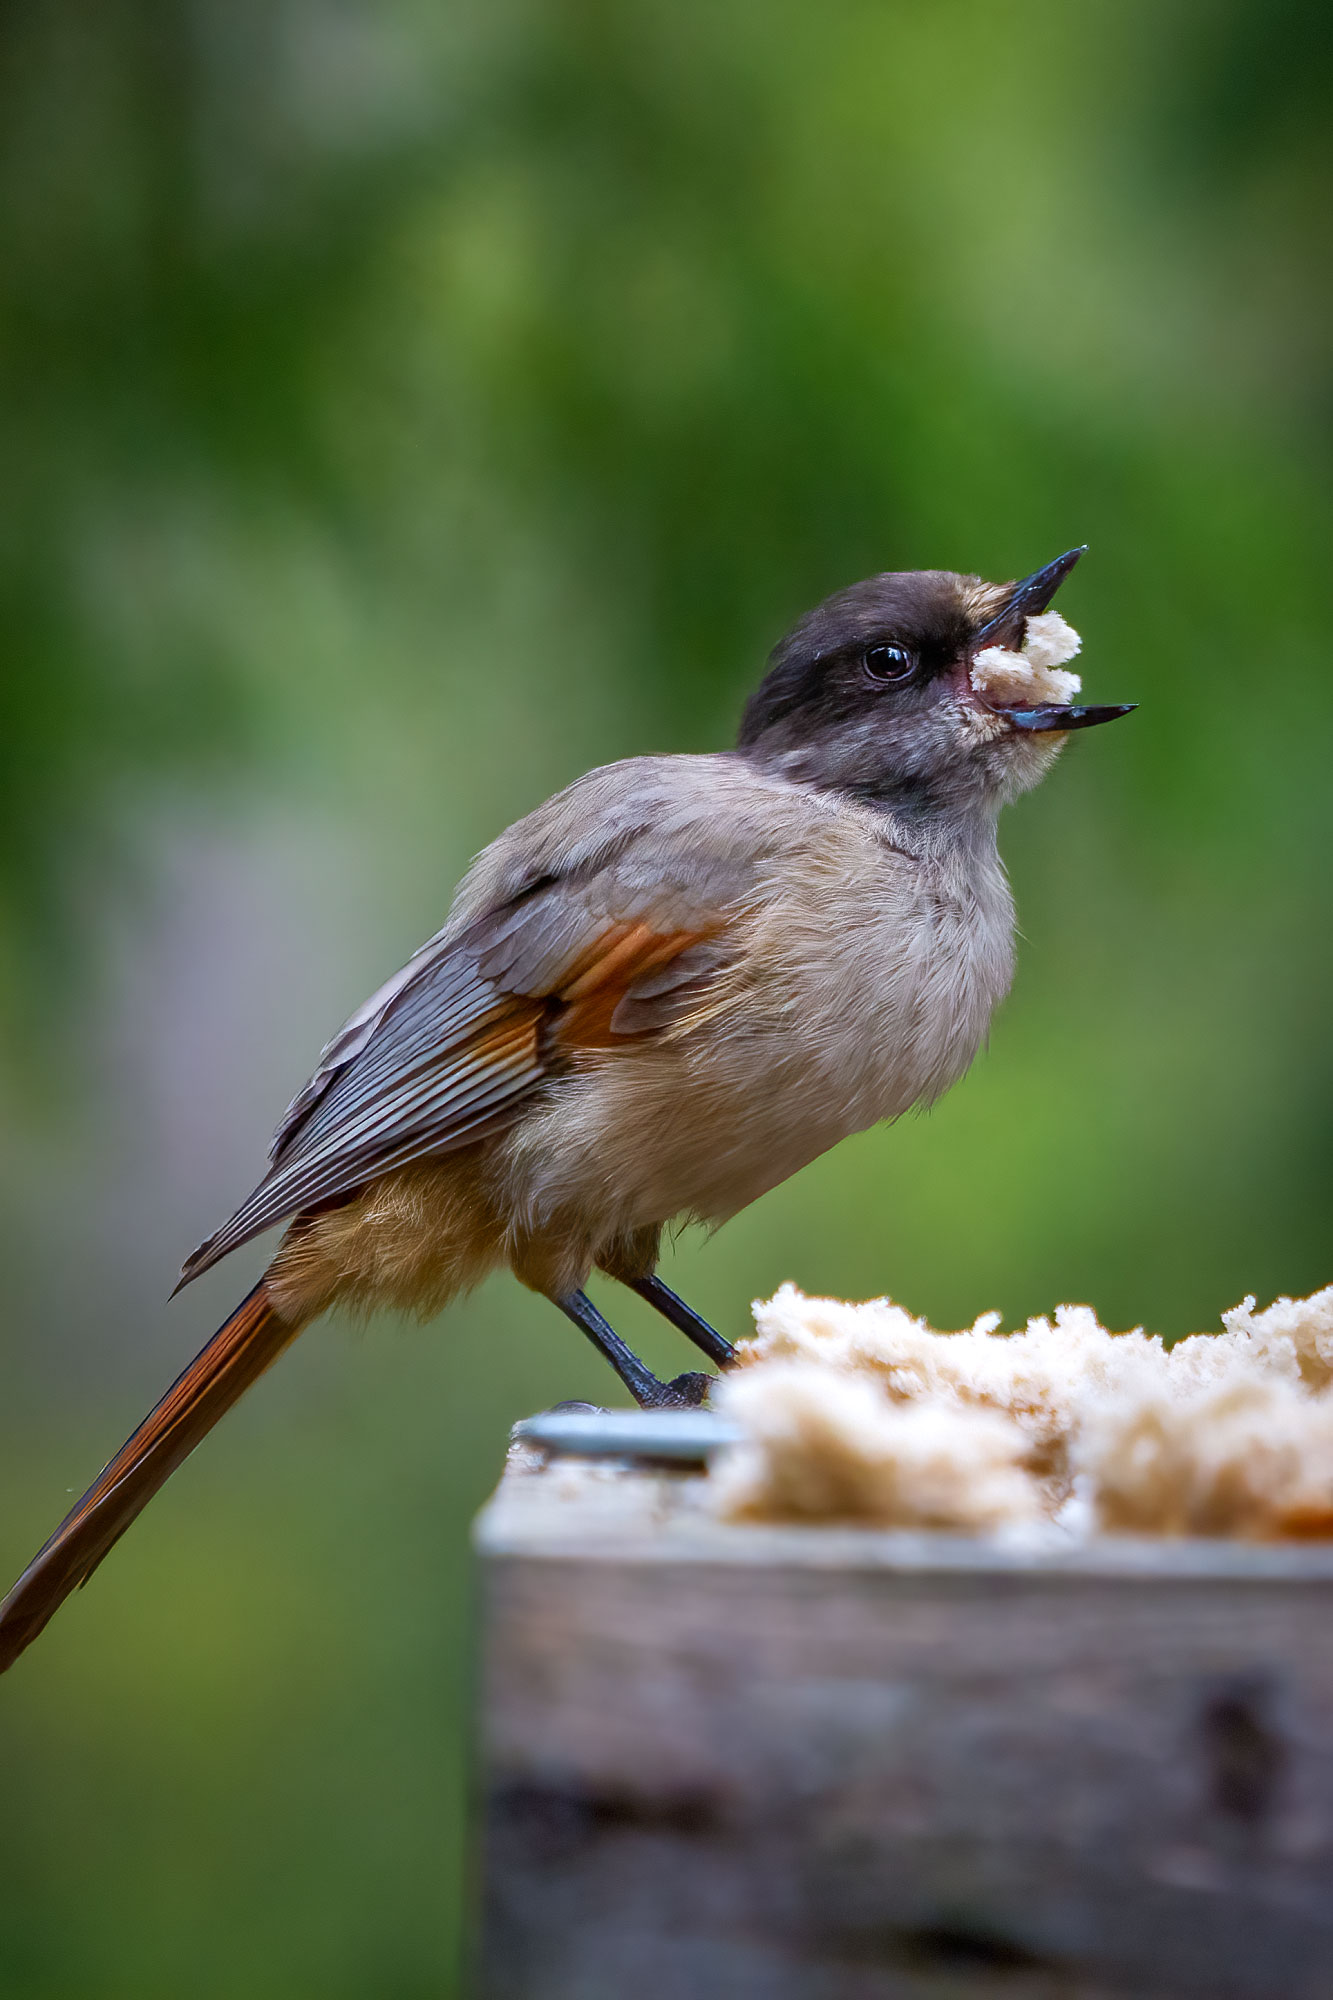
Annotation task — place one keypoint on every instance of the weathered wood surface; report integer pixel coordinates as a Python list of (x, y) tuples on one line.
[(839, 1764)]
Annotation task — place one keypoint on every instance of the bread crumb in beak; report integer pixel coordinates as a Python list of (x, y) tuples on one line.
[(863, 1413), (1029, 678)]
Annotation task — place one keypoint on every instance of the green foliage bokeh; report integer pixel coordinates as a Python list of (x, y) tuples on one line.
[(406, 408)]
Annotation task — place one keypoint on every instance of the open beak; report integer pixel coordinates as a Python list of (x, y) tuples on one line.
[(1027, 597)]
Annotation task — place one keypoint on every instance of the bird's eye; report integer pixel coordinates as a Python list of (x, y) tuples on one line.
[(888, 663)]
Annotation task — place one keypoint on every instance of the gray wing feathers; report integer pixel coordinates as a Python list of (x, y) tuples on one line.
[(420, 1024), (350, 1039), (450, 1046), (532, 946), (418, 1083)]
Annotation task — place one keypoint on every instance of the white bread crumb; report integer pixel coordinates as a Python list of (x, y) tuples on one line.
[(1032, 676), (821, 1445), (1050, 640), (864, 1412), (1295, 1332), (1247, 1457)]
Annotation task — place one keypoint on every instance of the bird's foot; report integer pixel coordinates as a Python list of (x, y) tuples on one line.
[(682, 1392), (685, 1392), (650, 1392)]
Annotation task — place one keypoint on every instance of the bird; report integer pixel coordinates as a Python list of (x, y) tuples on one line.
[(656, 997)]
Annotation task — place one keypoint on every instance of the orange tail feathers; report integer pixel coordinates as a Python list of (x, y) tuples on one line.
[(239, 1352)]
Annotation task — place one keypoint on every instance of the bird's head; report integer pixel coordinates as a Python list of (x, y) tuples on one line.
[(923, 690)]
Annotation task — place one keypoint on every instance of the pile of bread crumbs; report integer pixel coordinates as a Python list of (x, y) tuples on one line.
[(863, 1413)]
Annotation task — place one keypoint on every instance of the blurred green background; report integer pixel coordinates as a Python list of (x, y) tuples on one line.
[(406, 407)]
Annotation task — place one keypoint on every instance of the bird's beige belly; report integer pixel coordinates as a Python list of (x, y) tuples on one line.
[(703, 1126)]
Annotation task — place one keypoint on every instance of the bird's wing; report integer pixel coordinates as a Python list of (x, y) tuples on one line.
[(449, 1049)]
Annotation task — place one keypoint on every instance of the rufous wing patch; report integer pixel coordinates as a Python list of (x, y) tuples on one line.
[(595, 1006)]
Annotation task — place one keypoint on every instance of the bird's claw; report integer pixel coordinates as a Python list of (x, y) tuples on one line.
[(685, 1392)]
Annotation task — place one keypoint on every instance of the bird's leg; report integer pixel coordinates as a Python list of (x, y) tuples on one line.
[(684, 1317), (649, 1392)]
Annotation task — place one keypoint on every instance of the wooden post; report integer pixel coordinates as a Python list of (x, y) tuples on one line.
[(776, 1763)]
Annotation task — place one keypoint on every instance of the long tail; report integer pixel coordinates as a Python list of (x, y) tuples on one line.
[(236, 1356)]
